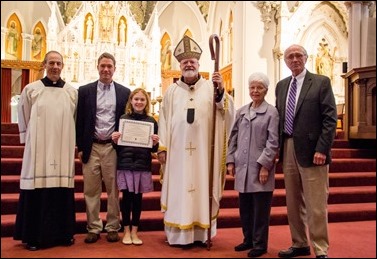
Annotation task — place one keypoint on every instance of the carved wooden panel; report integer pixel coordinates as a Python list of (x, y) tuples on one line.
[(360, 110), (26, 71)]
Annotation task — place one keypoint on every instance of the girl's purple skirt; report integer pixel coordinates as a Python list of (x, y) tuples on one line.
[(135, 181)]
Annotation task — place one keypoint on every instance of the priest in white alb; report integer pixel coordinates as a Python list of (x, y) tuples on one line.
[(185, 129), (46, 121)]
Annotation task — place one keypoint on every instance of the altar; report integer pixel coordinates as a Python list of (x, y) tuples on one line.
[(108, 26), (96, 27)]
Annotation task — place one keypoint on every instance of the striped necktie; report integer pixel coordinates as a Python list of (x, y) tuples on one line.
[(290, 110)]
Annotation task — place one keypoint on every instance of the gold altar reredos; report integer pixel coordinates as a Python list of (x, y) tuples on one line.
[(108, 26)]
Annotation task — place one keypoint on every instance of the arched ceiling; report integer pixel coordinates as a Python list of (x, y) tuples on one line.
[(141, 10)]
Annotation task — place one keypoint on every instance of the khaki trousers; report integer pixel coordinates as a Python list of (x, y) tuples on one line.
[(307, 191), (101, 167)]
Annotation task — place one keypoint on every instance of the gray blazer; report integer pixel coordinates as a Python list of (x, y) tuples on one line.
[(253, 142), (314, 126)]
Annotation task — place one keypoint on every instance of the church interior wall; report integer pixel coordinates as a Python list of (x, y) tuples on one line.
[(217, 19), (338, 48), (252, 51), (28, 12), (221, 22), (264, 59), (261, 32), (241, 53), (175, 17), (327, 24)]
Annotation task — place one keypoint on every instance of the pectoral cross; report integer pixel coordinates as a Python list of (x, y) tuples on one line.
[(192, 189), (54, 164), (190, 148)]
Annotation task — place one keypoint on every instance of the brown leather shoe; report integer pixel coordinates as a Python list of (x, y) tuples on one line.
[(91, 238), (112, 236), (294, 251)]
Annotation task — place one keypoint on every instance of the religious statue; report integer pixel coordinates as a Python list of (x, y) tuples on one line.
[(89, 29), (166, 56), (36, 45), (106, 21), (324, 61), (12, 39), (122, 33)]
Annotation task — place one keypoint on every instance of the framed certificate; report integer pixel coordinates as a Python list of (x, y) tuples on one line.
[(135, 133)]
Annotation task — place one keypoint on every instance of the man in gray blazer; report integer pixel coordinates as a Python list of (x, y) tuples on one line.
[(307, 131)]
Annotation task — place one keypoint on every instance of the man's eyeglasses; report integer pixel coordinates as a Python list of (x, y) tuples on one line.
[(295, 55)]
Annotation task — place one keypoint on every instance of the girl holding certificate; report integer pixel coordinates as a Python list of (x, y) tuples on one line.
[(134, 165)]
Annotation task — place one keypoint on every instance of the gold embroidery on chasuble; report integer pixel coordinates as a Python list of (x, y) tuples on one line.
[(190, 119), (190, 148)]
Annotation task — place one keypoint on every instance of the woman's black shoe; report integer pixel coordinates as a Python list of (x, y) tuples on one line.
[(31, 247), (69, 242), (256, 252), (243, 247)]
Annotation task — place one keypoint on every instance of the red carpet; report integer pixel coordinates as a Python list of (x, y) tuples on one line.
[(347, 240)]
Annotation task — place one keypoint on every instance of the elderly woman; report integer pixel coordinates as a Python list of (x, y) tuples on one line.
[(252, 148)]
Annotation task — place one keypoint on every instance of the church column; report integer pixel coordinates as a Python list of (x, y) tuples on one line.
[(282, 40), (52, 34), (361, 34), (3, 33), (26, 46), (354, 8), (245, 57), (368, 36), (224, 48), (239, 52), (80, 66)]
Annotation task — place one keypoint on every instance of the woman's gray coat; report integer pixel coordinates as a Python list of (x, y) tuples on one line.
[(253, 142)]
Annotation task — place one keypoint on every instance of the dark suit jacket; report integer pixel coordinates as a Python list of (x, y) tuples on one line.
[(86, 114), (314, 126)]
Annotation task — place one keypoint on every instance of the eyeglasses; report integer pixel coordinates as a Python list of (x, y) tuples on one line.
[(295, 55), (256, 88)]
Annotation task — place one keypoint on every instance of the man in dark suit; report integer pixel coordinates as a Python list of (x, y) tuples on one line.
[(100, 105), (305, 150)]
